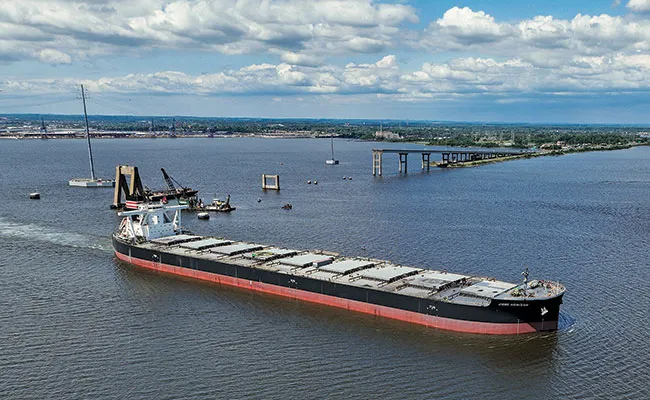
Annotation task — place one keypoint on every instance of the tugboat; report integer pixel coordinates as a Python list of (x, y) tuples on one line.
[(152, 237), (217, 205)]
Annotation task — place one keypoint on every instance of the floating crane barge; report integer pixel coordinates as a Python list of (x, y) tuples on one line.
[(151, 237), (135, 193)]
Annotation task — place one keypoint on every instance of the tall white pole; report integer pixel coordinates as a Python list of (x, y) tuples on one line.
[(90, 150)]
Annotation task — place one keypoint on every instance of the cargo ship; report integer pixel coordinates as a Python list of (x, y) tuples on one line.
[(152, 237)]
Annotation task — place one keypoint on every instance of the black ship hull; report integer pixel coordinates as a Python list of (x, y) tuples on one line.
[(497, 317)]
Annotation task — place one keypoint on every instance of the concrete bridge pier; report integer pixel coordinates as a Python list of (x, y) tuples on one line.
[(426, 161), (376, 162), (448, 157), (403, 160)]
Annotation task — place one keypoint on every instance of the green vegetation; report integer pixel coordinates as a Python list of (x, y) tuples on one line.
[(548, 137)]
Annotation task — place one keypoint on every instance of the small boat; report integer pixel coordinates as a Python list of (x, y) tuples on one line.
[(217, 205), (332, 161), (35, 196), (91, 182), (203, 215)]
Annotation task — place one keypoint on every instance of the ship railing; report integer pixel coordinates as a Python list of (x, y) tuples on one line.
[(325, 252), (458, 283), (432, 291), (404, 285), (354, 278), (348, 273), (192, 251), (271, 263), (278, 262), (449, 297), (473, 295)]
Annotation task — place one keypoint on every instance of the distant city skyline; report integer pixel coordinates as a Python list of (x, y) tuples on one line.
[(553, 62)]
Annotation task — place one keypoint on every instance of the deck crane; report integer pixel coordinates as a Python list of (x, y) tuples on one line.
[(170, 181), (180, 191)]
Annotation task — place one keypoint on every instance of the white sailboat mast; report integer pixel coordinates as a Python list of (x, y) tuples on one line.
[(90, 150)]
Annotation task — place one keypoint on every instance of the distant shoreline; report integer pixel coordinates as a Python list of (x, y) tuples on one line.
[(586, 149), (339, 121), (461, 164), (182, 136)]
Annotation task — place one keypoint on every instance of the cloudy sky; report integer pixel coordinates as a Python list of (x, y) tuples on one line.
[(584, 61)]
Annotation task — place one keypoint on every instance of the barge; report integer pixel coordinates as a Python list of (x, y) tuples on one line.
[(152, 237)]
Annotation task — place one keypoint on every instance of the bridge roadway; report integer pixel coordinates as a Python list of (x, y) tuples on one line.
[(448, 157)]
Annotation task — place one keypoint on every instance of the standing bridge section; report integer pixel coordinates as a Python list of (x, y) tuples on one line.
[(447, 157)]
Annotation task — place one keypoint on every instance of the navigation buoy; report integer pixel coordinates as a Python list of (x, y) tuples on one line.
[(315, 182), (259, 200), (309, 182), (35, 196)]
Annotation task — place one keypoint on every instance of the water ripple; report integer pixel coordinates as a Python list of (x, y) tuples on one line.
[(76, 323)]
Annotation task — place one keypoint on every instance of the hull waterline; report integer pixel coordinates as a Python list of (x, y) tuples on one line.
[(496, 319)]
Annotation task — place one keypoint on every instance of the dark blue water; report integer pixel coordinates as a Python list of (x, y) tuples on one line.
[(74, 323)]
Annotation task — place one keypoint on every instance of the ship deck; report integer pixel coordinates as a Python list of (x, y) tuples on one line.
[(355, 271)]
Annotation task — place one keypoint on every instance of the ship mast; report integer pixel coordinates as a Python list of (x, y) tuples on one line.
[(90, 150), (332, 147)]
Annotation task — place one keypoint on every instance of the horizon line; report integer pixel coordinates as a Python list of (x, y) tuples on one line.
[(450, 122)]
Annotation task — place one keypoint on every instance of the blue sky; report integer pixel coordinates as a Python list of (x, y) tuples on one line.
[(510, 61)]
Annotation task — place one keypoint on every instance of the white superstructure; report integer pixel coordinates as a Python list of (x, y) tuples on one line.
[(151, 222)]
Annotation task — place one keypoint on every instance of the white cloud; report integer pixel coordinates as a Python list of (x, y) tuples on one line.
[(53, 56), (311, 40), (639, 5), (301, 59), (308, 29), (545, 32), (543, 41), (305, 33), (508, 80), (467, 26)]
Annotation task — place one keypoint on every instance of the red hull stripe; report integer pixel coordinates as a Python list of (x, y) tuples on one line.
[(132, 204), (382, 311)]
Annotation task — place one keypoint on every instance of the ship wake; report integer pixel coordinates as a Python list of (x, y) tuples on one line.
[(33, 232)]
